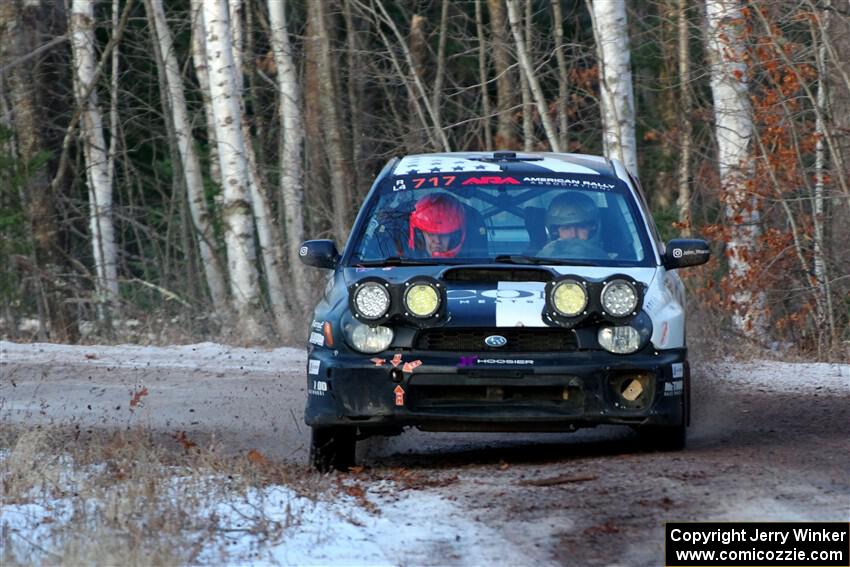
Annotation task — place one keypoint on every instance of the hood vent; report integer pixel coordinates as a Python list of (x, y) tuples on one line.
[(495, 275)]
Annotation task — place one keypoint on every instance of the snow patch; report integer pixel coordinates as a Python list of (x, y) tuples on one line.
[(203, 356)]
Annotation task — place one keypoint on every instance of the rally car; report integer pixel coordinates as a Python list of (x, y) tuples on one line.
[(499, 291)]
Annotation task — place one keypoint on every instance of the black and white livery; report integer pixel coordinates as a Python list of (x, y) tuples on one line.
[(499, 291)]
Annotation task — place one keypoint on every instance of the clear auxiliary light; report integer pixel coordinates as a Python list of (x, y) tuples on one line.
[(619, 298), (372, 300)]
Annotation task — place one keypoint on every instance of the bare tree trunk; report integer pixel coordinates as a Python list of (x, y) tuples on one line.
[(558, 25), (291, 142), (505, 78), (32, 99), (683, 200), (528, 70), (528, 138), (416, 136), (439, 75), (191, 167), (94, 148), (340, 170), (734, 131), (239, 233), (611, 30), (356, 95), (825, 315), (199, 59), (482, 77)]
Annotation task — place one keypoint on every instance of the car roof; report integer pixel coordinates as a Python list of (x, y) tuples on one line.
[(539, 163)]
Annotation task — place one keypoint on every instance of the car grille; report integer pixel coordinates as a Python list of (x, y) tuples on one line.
[(520, 339)]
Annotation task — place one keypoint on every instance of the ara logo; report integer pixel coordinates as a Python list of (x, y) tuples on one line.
[(490, 180)]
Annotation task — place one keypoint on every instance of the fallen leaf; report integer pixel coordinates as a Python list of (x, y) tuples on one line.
[(137, 397), (257, 458)]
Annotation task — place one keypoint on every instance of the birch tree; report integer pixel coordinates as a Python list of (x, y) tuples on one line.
[(191, 168), (239, 233), (531, 76), (611, 31), (199, 60), (98, 174), (291, 143), (734, 131)]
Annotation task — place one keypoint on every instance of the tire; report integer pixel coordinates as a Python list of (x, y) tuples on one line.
[(332, 448), (669, 437)]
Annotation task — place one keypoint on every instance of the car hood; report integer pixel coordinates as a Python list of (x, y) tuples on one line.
[(496, 303)]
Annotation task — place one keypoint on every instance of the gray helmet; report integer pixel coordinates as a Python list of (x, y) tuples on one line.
[(571, 208)]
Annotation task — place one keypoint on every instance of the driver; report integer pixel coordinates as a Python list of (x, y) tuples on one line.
[(572, 223), (438, 226)]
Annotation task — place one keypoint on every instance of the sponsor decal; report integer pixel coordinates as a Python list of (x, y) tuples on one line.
[(399, 395), (467, 361), (317, 339), (317, 388), (677, 252), (678, 370), (516, 304), (302, 251), (396, 360), (673, 388), (572, 183), (490, 180), (317, 325), (314, 366), (503, 361)]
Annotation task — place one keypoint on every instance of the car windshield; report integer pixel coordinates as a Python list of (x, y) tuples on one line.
[(551, 219)]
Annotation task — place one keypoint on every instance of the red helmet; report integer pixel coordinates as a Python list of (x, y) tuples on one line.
[(439, 214)]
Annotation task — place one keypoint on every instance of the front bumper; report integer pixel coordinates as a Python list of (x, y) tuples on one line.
[(486, 392)]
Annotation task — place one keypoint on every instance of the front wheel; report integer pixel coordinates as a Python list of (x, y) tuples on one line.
[(332, 448), (669, 437)]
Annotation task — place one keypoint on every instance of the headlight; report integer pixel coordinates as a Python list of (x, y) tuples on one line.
[(421, 300), (619, 340), (371, 300), (569, 298), (619, 298), (368, 339)]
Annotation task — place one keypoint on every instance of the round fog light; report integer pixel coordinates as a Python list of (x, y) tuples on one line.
[(421, 300), (371, 300), (569, 298), (619, 298)]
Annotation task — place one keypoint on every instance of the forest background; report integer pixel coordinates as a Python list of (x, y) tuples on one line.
[(160, 163)]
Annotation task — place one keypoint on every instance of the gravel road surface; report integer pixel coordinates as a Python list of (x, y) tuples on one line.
[(769, 441)]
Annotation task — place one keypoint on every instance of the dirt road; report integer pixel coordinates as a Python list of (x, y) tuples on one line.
[(769, 441)]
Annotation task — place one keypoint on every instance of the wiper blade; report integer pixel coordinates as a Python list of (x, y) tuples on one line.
[(394, 261), (537, 261)]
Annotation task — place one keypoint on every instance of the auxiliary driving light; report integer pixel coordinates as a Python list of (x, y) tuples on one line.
[(371, 300), (569, 298), (421, 300), (619, 298)]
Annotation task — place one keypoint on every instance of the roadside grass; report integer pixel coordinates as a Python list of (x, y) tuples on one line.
[(93, 498)]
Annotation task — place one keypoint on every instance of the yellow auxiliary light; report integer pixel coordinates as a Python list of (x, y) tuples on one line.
[(422, 300), (569, 298)]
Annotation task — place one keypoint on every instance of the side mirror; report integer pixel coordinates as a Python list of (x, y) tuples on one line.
[(319, 253), (683, 252)]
